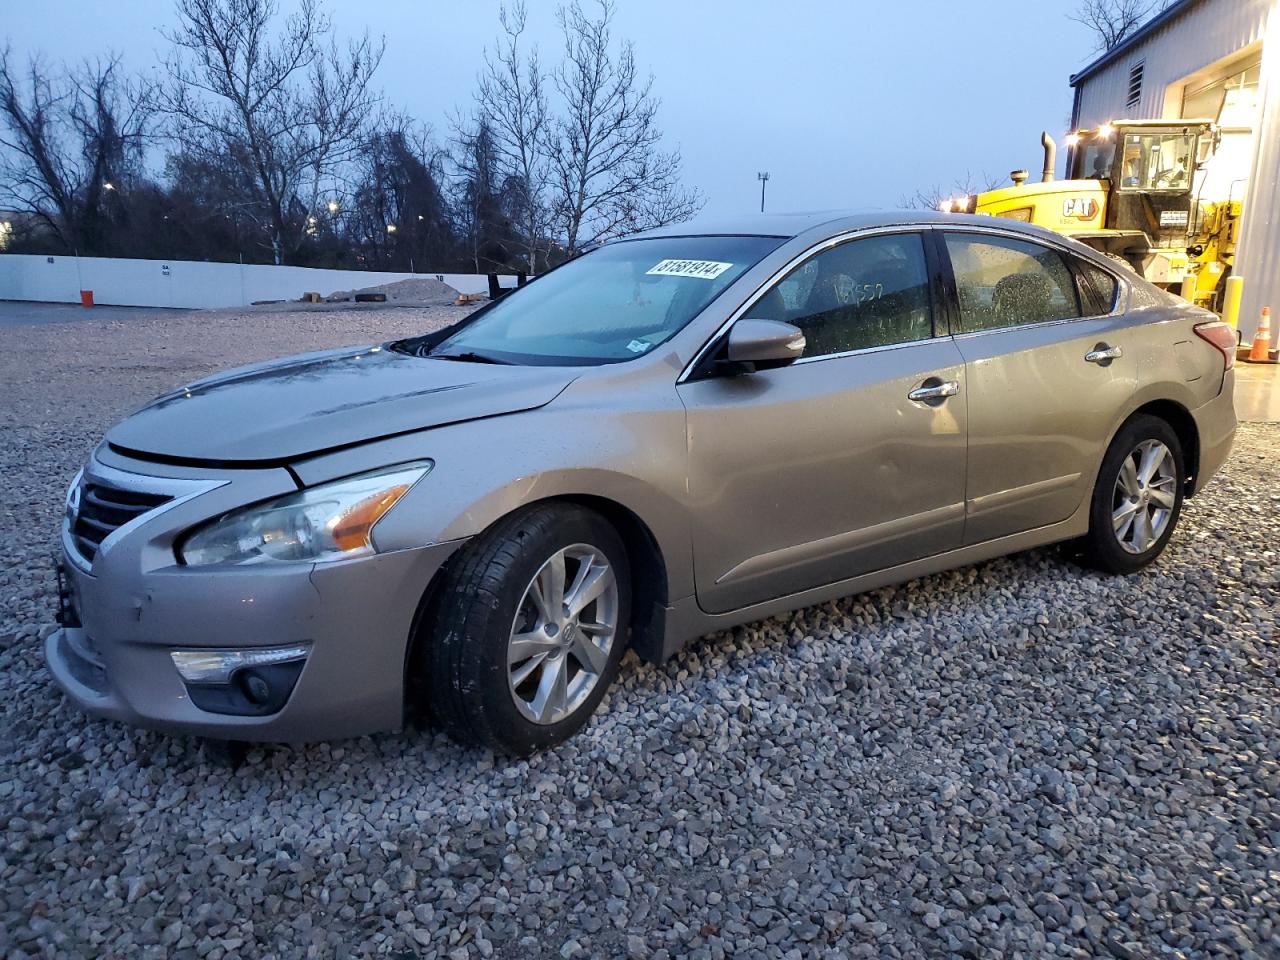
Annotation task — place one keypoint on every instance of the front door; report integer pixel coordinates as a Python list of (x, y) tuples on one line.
[(826, 469)]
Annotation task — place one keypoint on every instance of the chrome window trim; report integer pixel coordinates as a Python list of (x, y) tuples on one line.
[(1122, 286), (758, 294), (861, 350), (1035, 325), (181, 490)]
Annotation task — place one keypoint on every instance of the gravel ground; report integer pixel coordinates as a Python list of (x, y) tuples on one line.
[(1017, 759)]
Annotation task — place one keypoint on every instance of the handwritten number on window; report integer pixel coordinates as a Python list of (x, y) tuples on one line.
[(870, 291)]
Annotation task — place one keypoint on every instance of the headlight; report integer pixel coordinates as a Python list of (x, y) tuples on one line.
[(330, 522)]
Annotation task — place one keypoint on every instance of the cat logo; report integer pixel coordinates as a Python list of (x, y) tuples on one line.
[(1079, 208)]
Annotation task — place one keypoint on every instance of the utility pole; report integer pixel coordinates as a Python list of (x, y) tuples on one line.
[(764, 179)]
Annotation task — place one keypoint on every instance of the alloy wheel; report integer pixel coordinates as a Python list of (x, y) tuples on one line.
[(563, 634), (1144, 496)]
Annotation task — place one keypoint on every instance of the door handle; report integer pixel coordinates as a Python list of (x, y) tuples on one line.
[(1103, 354), (934, 390)]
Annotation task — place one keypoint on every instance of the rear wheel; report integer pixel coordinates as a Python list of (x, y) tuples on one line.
[(1137, 499), (527, 630)]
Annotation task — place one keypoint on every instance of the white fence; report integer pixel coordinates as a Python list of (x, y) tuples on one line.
[(186, 283)]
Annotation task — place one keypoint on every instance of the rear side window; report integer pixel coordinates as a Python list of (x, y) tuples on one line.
[(1004, 282), (1098, 290)]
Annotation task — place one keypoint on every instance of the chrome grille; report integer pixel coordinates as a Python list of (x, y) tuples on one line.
[(103, 509)]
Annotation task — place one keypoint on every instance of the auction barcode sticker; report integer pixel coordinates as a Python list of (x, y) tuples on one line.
[(704, 269)]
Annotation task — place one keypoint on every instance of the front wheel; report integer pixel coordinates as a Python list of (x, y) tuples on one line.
[(527, 630), (1123, 261), (1138, 497)]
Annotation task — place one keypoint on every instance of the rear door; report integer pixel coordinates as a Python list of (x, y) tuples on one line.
[(827, 469), (1049, 361)]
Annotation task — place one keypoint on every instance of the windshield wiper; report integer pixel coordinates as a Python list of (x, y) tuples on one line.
[(468, 356)]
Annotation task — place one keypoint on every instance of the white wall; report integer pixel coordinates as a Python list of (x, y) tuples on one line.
[(1258, 252), (1203, 35), (184, 283)]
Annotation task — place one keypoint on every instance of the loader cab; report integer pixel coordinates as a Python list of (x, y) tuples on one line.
[(1149, 168)]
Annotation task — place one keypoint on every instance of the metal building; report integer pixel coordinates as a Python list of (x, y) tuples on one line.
[(1220, 60)]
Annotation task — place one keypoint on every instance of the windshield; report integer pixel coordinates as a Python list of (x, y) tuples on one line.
[(616, 303), (1094, 160)]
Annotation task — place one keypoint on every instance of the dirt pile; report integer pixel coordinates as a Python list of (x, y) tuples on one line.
[(412, 290)]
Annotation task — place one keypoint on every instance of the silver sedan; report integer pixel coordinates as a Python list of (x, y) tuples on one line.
[(678, 432)]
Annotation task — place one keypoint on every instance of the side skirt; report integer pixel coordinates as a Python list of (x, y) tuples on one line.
[(686, 621)]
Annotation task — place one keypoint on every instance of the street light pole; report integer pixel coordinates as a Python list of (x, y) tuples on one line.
[(764, 179)]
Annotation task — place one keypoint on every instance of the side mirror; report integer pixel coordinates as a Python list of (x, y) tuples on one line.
[(764, 343)]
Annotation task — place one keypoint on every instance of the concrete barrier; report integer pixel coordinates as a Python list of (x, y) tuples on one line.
[(187, 283)]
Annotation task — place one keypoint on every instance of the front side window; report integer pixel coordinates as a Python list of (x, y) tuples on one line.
[(872, 292), (1004, 282), (615, 303)]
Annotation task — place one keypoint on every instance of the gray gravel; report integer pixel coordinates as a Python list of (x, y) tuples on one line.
[(1017, 759)]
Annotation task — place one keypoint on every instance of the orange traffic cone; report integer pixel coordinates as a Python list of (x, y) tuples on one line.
[(1261, 352)]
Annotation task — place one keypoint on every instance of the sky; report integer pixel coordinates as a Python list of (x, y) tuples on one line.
[(846, 103)]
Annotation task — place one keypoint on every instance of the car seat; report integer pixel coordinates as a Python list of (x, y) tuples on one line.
[(1020, 298)]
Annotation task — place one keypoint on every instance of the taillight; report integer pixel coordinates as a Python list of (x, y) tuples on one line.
[(1221, 336)]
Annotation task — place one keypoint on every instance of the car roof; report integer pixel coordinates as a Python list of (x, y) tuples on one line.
[(825, 221)]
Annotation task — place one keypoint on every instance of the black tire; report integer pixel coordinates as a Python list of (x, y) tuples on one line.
[(1122, 261), (1101, 548), (467, 627), (1220, 295)]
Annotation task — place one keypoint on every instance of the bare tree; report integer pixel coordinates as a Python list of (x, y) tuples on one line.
[(484, 199), (512, 102), (281, 101), (1113, 20), (932, 198), (609, 174), (400, 186), (71, 144)]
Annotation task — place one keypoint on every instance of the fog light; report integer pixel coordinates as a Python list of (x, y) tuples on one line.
[(245, 683), (216, 666), (256, 689)]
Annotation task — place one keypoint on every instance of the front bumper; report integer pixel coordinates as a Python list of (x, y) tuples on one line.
[(135, 605), (357, 617)]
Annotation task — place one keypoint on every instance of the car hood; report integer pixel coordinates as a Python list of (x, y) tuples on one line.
[(282, 410)]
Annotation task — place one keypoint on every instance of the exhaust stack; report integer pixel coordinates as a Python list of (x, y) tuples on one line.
[(1050, 156)]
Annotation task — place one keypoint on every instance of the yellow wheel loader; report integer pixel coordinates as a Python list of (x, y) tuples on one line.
[(1129, 193)]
